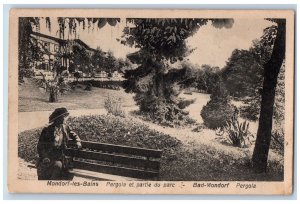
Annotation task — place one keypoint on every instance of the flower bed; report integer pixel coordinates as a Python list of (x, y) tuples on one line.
[(105, 129)]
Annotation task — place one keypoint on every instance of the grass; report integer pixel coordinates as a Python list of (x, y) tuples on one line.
[(32, 98), (206, 163), (180, 161)]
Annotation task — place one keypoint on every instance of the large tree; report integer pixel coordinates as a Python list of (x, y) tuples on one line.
[(242, 74), (210, 78), (271, 71), (110, 62), (98, 59), (28, 51), (162, 42), (81, 58), (204, 77)]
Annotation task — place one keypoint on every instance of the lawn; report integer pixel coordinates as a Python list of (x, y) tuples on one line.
[(33, 98), (181, 160)]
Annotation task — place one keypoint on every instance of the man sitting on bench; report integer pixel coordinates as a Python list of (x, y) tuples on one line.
[(52, 164)]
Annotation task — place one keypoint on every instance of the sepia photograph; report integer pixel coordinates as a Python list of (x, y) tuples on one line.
[(151, 101)]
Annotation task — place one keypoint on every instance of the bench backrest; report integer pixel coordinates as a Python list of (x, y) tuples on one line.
[(116, 159)]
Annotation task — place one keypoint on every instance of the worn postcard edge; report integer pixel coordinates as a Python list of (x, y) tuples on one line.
[(28, 186)]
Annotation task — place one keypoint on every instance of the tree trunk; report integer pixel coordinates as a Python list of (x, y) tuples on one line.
[(159, 84), (52, 95), (271, 71)]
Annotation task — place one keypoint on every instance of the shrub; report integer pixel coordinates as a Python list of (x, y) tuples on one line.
[(88, 87), (101, 84), (199, 128), (215, 114), (218, 110), (251, 108), (77, 75), (185, 103), (237, 133), (23, 72), (250, 112), (157, 86), (27, 73), (114, 106), (159, 111)]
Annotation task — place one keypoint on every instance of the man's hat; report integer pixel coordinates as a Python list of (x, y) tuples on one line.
[(57, 113)]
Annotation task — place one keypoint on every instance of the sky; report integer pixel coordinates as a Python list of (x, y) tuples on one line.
[(212, 45)]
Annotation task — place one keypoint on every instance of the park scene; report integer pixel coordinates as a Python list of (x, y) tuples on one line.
[(208, 93)]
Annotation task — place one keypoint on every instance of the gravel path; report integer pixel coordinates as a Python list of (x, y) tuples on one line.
[(194, 140), (27, 172), (31, 120)]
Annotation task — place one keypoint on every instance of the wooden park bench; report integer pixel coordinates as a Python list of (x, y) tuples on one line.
[(131, 163)]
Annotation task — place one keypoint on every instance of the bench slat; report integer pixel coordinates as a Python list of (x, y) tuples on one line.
[(122, 171), (120, 159), (122, 149)]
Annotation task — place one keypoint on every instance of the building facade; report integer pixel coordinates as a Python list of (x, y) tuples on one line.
[(55, 50)]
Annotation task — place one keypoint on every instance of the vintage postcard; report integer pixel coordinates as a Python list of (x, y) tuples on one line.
[(151, 101)]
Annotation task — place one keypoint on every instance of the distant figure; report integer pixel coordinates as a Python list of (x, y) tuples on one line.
[(52, 164)]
